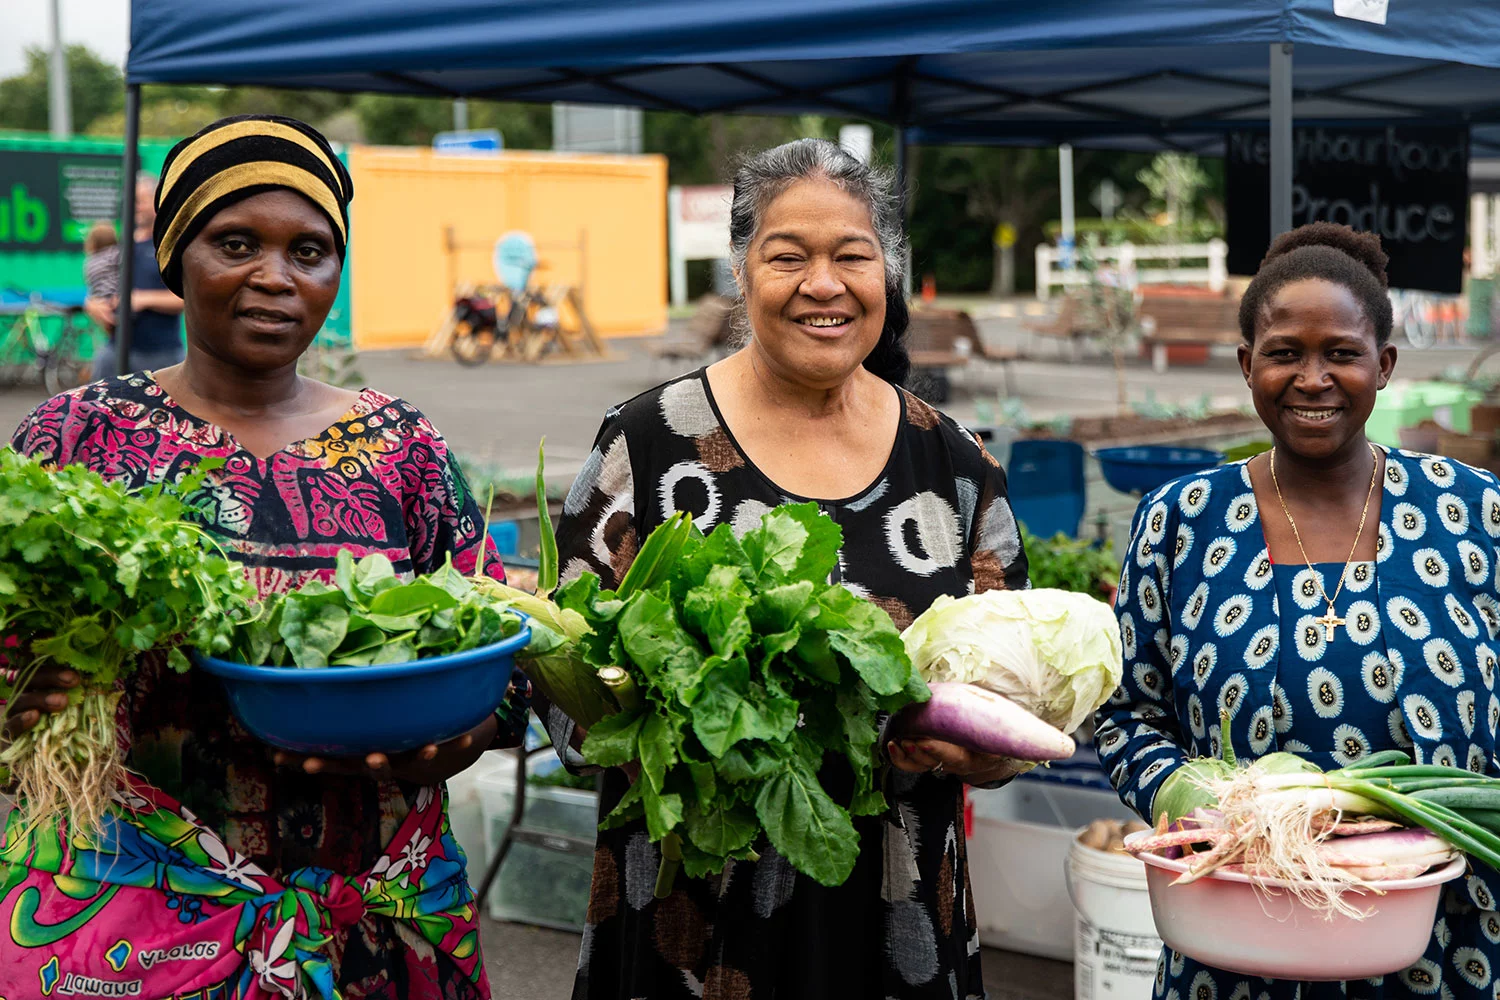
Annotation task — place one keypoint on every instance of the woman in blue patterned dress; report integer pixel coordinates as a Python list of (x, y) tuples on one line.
[(1332, 597)]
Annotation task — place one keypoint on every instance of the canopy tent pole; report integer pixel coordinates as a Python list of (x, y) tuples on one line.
[(1281, 138), (127, 227)]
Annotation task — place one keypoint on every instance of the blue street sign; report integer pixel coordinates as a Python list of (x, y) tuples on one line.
[(470, 141)]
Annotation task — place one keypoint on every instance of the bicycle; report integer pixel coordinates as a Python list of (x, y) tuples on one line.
[(1425, 319), (58, 362), (524, 325)]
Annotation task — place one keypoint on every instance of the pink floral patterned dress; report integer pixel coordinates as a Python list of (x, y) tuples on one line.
[(223, 876)]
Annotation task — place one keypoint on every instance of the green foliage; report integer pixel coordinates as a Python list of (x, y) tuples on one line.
[(412, 121), (1249, 449), (92, 575), (371, 616), (1064, 563), (753, 668), (95, 87)]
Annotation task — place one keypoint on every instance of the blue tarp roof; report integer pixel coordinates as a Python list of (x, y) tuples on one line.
[(1126, 73)]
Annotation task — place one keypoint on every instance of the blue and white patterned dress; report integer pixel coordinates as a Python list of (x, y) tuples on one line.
[(1210, 624)]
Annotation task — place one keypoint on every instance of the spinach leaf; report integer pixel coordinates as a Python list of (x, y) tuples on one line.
[(806, 825), (614, 740), (313, 626)]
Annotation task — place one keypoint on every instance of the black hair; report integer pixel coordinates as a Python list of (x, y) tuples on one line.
[(1330, 252), (765, 175)]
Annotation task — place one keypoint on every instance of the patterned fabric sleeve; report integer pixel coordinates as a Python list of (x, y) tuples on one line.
[(1137, 731), (47, 431), (996, 553), (443, 518), (597, 534)]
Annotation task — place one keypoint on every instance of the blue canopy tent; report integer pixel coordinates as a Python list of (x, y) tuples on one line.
[(1138, 75)]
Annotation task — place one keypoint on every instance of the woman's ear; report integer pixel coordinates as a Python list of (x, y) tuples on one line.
[(1387, 366)]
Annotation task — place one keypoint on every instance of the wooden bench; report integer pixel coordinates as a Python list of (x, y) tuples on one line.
[(940, 340), (1071, 324), (1200, 320), (708, 329)]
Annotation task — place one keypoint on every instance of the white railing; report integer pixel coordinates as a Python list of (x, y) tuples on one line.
[(1138, 265)]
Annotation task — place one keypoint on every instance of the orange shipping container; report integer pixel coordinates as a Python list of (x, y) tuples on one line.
[(599, 223)]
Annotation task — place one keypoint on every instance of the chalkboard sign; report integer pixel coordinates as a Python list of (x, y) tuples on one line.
[(1410, 185), (49, 200)]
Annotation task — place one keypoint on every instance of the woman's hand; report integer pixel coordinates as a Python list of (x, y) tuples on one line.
[(425, 766), (47, 693), (937, 757)]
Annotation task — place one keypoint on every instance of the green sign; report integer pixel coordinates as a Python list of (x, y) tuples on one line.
[(49, 200)]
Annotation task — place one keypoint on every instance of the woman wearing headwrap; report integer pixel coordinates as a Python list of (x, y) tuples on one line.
[(229, 870)]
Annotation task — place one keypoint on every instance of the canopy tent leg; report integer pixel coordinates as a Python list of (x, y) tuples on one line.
[(1281, 138), (127, 227)]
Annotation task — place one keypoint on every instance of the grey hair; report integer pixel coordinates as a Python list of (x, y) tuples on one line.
[(763, 177)]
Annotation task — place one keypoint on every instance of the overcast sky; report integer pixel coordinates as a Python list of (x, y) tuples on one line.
[(102, 25)]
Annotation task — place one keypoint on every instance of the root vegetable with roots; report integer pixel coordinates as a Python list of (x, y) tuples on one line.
[(93, 575), (1323, 835), (69, 764)]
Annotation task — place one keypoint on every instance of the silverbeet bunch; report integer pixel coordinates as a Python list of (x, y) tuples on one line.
[(744, 671), (92, 575)]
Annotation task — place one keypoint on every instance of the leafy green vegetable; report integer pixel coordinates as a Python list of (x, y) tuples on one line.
[(1076, 564), (92, 575), (371, 617), (756, 674)]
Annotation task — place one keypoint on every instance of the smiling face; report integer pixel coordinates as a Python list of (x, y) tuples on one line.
[(1315, 367), (814, 284), (258, 281)]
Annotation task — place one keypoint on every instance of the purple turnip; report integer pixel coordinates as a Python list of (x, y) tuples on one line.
[(978, 719)]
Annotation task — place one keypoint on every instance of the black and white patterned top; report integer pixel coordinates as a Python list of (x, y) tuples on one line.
[(935, 521)]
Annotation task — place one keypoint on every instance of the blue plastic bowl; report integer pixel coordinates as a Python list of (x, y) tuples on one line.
[(1143, 468), (352, 711)]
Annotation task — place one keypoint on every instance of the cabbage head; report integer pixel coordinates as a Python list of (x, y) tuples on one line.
[(1055, 653)]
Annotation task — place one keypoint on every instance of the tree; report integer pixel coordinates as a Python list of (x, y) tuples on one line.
[(1175, 181), (96, 88)]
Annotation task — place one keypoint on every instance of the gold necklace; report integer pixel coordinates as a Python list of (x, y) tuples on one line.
[(1330, 620)]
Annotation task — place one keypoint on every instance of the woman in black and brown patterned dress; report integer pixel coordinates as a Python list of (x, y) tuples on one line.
[(809, 409)]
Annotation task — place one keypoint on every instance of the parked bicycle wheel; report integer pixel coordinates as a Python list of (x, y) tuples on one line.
[(475, 330), (1419, 332)]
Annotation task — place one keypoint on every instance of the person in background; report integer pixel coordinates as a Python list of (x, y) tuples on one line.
[(101, 272), (156, 310)]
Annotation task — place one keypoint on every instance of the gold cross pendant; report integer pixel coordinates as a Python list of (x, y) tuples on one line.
[(1329, 622)]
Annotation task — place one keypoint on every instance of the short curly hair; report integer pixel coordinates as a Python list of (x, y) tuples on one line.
[(1330, 252)]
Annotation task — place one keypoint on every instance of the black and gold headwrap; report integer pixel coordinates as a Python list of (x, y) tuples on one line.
[(233, 159)]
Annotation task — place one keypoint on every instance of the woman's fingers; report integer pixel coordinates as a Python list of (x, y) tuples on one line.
[(19, 722)]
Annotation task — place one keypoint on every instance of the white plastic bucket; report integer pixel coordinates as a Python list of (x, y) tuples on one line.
[(1115, 944)]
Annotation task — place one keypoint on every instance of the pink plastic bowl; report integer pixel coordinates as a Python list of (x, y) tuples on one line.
[(1256, 928)]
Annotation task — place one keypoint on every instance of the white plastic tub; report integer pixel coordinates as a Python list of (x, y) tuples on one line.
[(1022, 835)]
